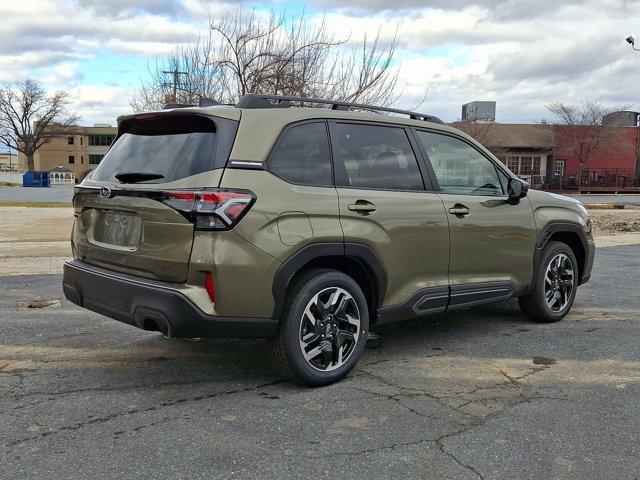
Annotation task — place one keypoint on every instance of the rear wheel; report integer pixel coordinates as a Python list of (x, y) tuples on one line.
[(323, 330), (555, 284)]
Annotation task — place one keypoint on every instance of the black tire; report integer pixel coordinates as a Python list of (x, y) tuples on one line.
[(286, 348), (535, 305)]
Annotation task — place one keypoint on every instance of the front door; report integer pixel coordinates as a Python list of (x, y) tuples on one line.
[(386, 203), (492, 242)]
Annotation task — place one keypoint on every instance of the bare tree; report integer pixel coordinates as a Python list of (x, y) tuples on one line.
[(30, 119), (486, 133), (585, 129), (246, 52)]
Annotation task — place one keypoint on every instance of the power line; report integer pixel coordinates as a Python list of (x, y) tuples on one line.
[(176, 80)]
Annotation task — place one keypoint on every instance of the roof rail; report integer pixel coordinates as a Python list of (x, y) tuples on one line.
[(253, 100)]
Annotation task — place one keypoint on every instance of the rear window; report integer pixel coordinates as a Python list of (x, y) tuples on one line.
[(174, 146)]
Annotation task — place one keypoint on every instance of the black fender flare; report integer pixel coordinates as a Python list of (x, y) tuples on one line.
[(363, 254), (564, 227)]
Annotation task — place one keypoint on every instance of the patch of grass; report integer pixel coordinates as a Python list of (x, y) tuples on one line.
[(35, 204), (9, 184)]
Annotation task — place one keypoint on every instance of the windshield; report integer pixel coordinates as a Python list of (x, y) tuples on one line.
[(163, 149)]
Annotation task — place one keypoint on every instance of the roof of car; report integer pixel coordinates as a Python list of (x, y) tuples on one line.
[(260, 127)]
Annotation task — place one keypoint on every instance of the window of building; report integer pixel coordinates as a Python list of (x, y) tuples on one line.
[(81, 159), (95, 159), (72, 159), (70, 140), (560, 164), (371, 156), (302, 156), (535, 166), (81, 140), (513, 164), (101, 140), (525, 165), (460, 168)]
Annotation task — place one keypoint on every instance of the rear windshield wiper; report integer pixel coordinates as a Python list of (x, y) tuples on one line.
[(135, 177)]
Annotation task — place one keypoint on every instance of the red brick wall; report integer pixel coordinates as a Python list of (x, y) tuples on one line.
[(618, 152)]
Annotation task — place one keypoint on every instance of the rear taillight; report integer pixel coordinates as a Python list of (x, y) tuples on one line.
[(211, 209)]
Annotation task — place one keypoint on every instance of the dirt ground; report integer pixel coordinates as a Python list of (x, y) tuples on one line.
[(615, 221), (35, 240)]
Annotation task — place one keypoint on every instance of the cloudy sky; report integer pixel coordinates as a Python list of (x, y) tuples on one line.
[(522, 54)]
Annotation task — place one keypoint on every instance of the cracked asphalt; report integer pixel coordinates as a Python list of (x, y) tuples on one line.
[(480, 394)]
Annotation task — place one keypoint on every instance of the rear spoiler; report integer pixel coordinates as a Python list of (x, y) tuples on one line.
[(202, 102)]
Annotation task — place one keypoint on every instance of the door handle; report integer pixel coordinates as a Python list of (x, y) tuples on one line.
[(363, 207), (459, 210)]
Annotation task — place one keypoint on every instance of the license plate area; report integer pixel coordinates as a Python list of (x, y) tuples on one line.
[(117, 229)]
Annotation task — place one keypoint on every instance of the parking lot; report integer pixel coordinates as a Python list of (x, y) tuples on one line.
[(61, 193), (480, 394)]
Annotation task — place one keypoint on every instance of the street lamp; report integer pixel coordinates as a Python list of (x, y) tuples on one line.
[(631, 41)]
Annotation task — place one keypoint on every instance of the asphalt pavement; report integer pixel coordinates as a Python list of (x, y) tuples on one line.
[(622, 199), (482, 393), (61, 193)]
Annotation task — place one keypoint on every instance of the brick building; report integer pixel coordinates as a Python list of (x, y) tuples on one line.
[(544, 155), (527, 149), (613, 163), (78, 152)]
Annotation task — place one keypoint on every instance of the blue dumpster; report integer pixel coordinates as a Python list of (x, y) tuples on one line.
[(35, 179)]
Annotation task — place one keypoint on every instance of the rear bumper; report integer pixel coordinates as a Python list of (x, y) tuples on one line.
[(150, 305)]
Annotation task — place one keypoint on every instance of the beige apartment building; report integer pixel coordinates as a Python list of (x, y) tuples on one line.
[(79, 152)]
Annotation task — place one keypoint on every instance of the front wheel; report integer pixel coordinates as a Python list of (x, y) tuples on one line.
[(555, 284), (323, 330)]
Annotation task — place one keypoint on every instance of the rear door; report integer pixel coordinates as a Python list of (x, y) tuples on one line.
[(492, 241), (125, 219), (387, 204)]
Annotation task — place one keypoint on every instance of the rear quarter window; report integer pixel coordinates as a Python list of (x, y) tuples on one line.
[(174, 146), (302, 155)]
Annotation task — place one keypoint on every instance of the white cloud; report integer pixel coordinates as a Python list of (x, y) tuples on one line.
[(521, 54), (100, 103)]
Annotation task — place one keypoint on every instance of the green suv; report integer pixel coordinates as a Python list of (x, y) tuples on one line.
[(310, 226)]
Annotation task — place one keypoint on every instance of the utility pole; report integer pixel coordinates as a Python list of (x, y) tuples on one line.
[(176, 79)]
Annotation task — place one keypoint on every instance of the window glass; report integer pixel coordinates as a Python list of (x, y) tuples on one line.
[(459, 167), (525, 165), (513, 164), (101, 140), (504, 180), (371, 156), (302, 156), (175, 147), (535, 166)]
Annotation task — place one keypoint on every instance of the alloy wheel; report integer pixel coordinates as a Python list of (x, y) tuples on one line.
[(329, 329), (559, 282)]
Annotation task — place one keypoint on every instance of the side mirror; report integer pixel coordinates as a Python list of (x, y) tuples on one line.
[(517, 189)]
